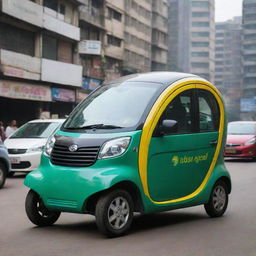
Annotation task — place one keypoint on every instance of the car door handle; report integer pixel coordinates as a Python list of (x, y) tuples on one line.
[(213, 142)]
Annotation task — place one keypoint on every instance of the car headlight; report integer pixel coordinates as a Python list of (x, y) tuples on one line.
[(34, 150), (250, 142), (49, 146), (115, 147)]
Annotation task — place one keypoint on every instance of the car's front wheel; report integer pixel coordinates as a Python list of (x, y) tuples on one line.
[(114, 213), (37, 212), (218, 201), (2, 175)]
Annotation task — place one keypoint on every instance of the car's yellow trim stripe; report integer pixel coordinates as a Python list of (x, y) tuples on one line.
[(164, 99)]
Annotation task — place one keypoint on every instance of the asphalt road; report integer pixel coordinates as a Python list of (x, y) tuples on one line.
[(181, 232)]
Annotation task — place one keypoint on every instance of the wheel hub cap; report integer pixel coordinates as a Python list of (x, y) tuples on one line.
[(219, 198), (118, 213)]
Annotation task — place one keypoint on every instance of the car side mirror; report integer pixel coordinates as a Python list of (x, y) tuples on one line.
[(168, 126)]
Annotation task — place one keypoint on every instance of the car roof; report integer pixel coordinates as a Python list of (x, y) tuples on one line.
[(47, 121), (163, 78)]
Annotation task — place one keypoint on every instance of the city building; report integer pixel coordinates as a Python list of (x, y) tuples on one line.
[(228, 64), (91, 46), (248, 102), (159, 58), (40, 75), (137, 36), (192, 37)]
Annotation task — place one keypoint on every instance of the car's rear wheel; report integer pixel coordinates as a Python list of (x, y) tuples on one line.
[(114, 213), (218, 201), (37, 212), (2, 174)]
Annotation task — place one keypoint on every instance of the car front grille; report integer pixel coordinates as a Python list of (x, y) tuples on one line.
[(21, 165), (16, 151), (232, 145), (83, 157)]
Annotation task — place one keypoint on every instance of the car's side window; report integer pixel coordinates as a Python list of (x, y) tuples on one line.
[(209, 113), (180, 109)]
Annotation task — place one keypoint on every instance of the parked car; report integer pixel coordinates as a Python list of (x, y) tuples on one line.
[(4, 164), (27, 143), (143, 143), (241, 140)]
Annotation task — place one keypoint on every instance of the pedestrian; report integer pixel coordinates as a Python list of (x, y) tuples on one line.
[(11, 128), (2, 132)]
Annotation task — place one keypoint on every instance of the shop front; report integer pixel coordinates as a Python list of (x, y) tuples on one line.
[(63, 102), (22, 101)]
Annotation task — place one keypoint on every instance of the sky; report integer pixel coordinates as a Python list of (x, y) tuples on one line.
[(227, 9)]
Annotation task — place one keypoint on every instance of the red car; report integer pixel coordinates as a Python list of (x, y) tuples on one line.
[(241, 139)]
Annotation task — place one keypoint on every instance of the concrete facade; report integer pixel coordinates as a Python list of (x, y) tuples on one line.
[(249, 58), (137, 36), (192, 37), (159, 35), (228, 64), (38, 42)]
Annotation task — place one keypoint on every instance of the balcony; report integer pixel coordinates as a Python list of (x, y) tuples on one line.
[(23, 10), (114, 52), (61, 73), (54, 23), (92, 15), (20, 65)]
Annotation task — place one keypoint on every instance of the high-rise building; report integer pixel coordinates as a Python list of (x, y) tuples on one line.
[(40, 74), (159, 35), (137, 36), (192, 37), (228, 64), (248, 103)]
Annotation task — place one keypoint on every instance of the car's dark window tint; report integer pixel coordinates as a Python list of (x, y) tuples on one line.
[(209, 113), (180, 109)]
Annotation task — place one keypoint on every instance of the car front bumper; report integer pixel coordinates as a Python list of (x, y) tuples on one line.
[(241, 151), (25, 162)]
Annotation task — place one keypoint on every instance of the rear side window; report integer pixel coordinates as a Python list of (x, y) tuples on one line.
[(209, 113)]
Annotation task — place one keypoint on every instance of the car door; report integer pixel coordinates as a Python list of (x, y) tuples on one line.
[(179, 161)]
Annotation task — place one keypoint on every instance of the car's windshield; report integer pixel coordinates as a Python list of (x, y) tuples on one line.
[(242, 128), (35, 130), (113, 106)]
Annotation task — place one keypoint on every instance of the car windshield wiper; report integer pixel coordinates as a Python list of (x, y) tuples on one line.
[(95, 126)]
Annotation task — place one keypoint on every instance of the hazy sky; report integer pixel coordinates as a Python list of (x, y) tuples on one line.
[(226, 9)]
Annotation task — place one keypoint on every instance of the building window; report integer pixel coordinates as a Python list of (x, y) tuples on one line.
[(200, 14), (113, 14), (112, 40), (219, 41), (52, 4), (200, 54), (200, 4), (17, 40), (218, 56), (219, 34), (200, 44), (200, 65), (200, 34), (200, 24), (57, 49)]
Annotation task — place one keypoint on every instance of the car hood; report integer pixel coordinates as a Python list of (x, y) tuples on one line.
[(24, 143), (238, 139)]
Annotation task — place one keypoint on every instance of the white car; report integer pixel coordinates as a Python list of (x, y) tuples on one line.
[(27, 143)]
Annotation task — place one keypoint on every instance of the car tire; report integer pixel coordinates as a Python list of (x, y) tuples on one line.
[(37, 213), (218, 201), (114, 213), (2, 174)]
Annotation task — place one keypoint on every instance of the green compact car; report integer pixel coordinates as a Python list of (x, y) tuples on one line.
[(144, 143)]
